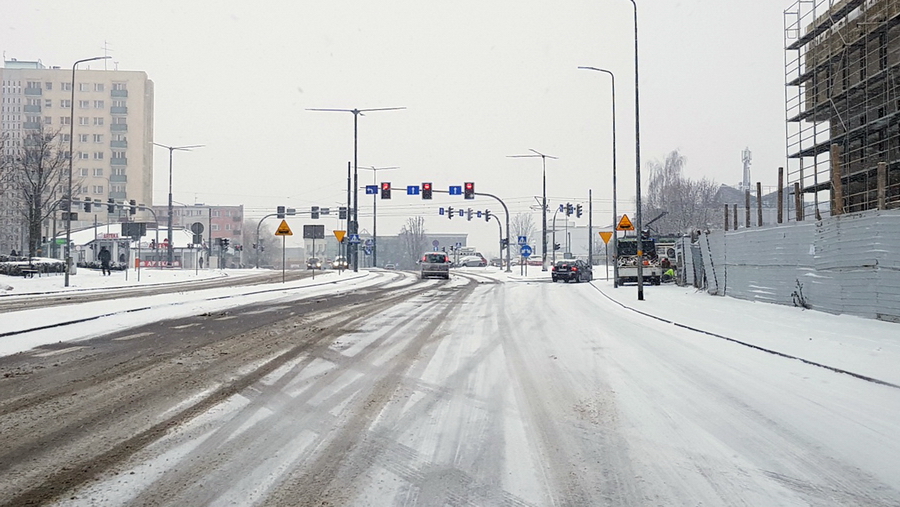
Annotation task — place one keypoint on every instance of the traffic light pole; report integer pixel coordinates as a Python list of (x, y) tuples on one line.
[(257, 237), (505, 210)]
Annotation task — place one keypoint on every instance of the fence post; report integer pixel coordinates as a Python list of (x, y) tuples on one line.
[(758, 204), (837, 188), (882, 185), (798, 202), (726, 217), (747, 208), (781, 195), (735, 217)]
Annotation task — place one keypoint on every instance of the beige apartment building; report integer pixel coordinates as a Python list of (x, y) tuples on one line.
[(111, 118)]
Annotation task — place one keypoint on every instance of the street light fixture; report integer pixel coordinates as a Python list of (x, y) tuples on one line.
[(543, 204), (71, 149), (374, 212), (614, 215), (353, 225), (637, 161), (170, 253)]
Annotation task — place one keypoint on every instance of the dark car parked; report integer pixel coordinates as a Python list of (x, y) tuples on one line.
[(572, 270)]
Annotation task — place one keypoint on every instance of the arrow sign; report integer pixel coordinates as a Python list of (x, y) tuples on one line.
[(625, 224), (339, 235), (412, 190), (284, 229), (456, 190), (371, 189), (526, 251)]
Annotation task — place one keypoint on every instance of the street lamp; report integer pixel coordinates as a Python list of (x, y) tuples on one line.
[(615, 216), (71, 149), (353, 225), (637, 162), (170, 254), (543, 204), (374, 214)]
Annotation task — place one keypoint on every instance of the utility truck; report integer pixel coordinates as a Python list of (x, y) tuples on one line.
[(627, 261)]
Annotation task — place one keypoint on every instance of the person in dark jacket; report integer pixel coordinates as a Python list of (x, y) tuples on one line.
[(104, 257)]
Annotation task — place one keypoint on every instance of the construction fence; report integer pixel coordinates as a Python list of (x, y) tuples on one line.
[(843, 264)]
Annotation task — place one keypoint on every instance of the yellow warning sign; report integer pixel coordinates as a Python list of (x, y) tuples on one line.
[(606, 236), (284, 229), (339, 235), (625, 224)]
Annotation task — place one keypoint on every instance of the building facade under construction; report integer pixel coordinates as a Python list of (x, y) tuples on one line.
[(842, 98)]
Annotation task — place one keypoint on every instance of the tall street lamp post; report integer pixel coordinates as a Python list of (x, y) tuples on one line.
[(615, 217), (637, 162), (353, 225), (375, 213), (543, 203), (71, 156), (170, 250)]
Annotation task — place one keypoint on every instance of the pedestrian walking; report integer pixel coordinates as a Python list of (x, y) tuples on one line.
[(104, 257)]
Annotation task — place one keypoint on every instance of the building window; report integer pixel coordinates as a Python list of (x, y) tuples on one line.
[(65, 120), (65, 103), (65, 86), (98, 155), (98, 138), (98, 122), (118, 86), (214, 227), (98, 189), (118, 103), (84, 87), (48, 120), (84, 104), (83, 171), (48, 85), (117, 188), (32, 84), (84, 120), (98, 171), (98, 104), (119, 120), (48, 103), (84, 155), (83, 138), (118, 154), (98, 87), (118, 171)]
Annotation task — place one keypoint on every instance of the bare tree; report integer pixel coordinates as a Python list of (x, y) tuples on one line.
[(522, 225), (38, 174), (688, 204), (265, 253), (412, 239)]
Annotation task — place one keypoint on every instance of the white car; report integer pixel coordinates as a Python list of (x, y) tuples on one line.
[(473, 261)]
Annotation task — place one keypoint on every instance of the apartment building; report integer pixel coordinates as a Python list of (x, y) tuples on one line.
[(217, 221), (111, 120)]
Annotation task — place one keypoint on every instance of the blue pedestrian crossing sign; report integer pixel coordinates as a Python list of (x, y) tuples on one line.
[(353, 239), (523, 240), (526, 251)]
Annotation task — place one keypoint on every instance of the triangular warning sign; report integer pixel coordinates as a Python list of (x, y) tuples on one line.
[(605, 236), (339, 235), (625, 224), (284, 229)]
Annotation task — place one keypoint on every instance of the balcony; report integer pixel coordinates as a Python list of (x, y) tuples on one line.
[(118, 110), (32, 109), (118, 178), (117, 195), (118, 162), (118, 93), (31, 125), (118, 127), (34, 92), (118, 144)]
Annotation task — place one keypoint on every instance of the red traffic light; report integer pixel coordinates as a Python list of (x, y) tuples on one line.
[(469, 190), (385, 189), (426, 190)]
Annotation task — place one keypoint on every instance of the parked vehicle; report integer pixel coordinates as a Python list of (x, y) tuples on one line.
[(313, 263), (627, 261), (390, 266), (340, 262), (435, 264), (473, 261), (572, 270)]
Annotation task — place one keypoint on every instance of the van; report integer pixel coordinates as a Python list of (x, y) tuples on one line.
[(435, 264)]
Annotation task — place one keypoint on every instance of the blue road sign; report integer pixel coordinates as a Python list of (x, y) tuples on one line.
[(353, 239), (526, 251), (371, 189), (523, 240), (441, 211), (370, 242), (367, 250), (479, 214), (462, 212), (435, 244), (412, 190), (456, 190)]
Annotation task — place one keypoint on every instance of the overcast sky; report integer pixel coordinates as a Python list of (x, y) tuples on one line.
[(479, 80)]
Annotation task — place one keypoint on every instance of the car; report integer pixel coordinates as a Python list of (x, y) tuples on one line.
[(313, 263), (340, 262), (435, 264), (572, 270), (473, 261), (390, 266)]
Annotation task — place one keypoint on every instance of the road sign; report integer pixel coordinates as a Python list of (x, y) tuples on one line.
[(311, 231), (197, 228), (456, 190), (371, 189), (367, 250), (523, 240), (324, 211), (354, 239), (370, 242), (625, 224), (435, 243), (412, 190), (526, 251), (606, 236), (284, 229), (339, 235)]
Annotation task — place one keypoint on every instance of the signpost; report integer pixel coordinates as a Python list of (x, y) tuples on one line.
[(284, 230), (605, 236), (525, 251)]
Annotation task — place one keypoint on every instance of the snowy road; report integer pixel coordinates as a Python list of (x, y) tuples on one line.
[(484, 390)]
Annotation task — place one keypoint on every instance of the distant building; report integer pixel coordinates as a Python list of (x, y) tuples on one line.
[(112, 123), (216, 221)]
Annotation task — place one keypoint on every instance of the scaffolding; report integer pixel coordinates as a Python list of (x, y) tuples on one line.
[(842, 97)]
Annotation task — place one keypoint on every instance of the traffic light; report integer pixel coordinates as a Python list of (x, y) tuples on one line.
[(65, 205), (556, 246), (225, 243), (578, 211), (504, 242), (132, 207), (314, 212), (450, 212), (569, 209), (342, 213), (426, 190), (469, 214), (280, 211), (110, 205), (487, 215), (385, 189), (87, 206), (469, 190)]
